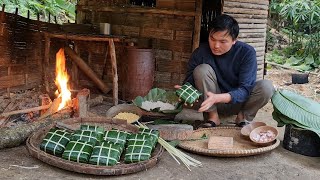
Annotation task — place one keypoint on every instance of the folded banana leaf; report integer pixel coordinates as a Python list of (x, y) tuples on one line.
[(151, 132), (106, 154), (292, 108), (116, 136), (85, 135), (138, 150), (139, 136), (188, 94), (157, 94), (99, 130), (78, 151), (55, 141)]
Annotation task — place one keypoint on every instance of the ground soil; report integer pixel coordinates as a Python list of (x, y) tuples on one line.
[(16, 163)]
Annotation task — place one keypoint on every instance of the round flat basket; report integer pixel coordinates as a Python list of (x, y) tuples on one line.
[(241, 146), (34, 141)]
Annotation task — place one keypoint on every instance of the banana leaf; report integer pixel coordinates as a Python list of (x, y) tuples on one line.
[(157, 94), (292, 108)]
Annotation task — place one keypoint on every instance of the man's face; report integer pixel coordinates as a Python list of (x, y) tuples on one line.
[(220, 42)]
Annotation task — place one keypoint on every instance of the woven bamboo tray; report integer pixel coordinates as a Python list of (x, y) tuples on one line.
[(34, 141), (242, 146)]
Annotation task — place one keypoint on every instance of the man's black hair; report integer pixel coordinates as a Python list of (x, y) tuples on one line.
[(224, 22)]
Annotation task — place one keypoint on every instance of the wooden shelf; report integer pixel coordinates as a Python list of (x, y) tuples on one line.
[(137, 10)]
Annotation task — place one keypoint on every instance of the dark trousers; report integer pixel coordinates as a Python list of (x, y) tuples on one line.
[(206, 80)]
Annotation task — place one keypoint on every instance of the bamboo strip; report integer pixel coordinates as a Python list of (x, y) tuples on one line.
[(245, 5), (244, 11), (265, 2)]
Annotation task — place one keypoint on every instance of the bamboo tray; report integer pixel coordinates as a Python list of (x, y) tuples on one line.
[(242, 146), (34, 140)]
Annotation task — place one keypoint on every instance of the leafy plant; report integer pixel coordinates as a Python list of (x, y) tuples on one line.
[(64, 10), (300, 21)]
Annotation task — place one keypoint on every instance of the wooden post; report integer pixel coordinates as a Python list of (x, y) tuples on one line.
[(45, 64), (2, 19), (114, 72), (197, 25), (75, 70), (86, 69)]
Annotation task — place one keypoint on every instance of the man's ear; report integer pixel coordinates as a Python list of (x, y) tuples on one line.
[(234, 41)]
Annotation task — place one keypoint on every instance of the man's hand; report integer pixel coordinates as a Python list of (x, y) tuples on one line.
[(214, 99), (177, 86)]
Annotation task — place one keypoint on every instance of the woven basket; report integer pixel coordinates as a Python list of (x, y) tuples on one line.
[(241, 146), (34, 141)]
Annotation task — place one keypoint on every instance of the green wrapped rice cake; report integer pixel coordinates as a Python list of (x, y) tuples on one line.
[(78, 151), (106, 154), (85, 135), (151, 132), (55, 141), (138, 150), (116, 136), (188, 93), (98, 129)]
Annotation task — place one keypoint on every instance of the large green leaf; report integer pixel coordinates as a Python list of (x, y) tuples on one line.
[(157, 94), (295, 107)]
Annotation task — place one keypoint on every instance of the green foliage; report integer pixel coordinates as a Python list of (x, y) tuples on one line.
[(300, 21), (64, 10)]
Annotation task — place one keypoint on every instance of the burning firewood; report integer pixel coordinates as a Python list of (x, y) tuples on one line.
[(54, 107)]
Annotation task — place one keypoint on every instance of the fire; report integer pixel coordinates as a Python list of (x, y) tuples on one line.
[(62, 79)]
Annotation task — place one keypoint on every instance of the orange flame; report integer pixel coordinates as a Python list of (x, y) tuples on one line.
[(62, 79)]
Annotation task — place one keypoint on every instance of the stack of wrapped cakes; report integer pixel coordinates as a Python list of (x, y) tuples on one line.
[(92, 144)]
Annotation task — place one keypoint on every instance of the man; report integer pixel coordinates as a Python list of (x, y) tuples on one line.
[(224, 70)]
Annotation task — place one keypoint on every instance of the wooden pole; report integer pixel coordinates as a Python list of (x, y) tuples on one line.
[(197, 26), (75, 70), (86, 69), (114, 72), (25, 110), (45, 64)]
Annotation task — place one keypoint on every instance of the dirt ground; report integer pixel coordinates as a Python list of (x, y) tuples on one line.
[(16, 163)]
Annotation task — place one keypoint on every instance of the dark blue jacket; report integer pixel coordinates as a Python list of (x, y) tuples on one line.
[(236, 70)]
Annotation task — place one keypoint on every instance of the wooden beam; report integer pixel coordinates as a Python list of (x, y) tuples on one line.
[(84, 37), (87, 70), (135, 10)]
